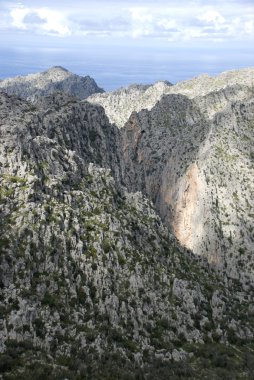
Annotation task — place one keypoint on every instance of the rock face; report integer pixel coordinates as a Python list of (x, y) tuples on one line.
[(48, 82), (92, 284), (189, 148), (121, 103), (198, 171)]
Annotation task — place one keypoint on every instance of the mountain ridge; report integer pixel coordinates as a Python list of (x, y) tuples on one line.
[(52, 80), (126, 253), (119, 108)]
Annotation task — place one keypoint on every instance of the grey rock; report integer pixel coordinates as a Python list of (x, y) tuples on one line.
[(88, 270), (56, 79), (193, 158), (120, 104)]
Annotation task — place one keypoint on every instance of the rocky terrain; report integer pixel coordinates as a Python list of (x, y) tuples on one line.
[(94, 285), (120, 104), (55, 79), (189, 147), (198, 172)]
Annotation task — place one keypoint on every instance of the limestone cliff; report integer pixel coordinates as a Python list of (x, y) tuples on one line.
[(189, 148), (198, 171)]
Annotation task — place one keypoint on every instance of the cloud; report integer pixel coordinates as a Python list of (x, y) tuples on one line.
[(142, 22), (44, 20), (249, 27), (212, 17), (194, 21), (18, 16), (167, 20), (33, 19), (141, 15), (167, 24), (117, 26)]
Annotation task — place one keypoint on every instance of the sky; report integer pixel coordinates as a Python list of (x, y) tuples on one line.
[(121, 42)]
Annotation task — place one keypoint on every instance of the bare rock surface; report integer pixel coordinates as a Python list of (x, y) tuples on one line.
[(120, 104), (198, 171)]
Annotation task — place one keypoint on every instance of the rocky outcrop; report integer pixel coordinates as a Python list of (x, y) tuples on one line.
[(56, 79), (194, 159), (120, 104), (189, 148), (92, 284), (204, 84), (63, 121)]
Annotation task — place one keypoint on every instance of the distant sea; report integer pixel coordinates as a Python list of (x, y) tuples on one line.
[(120, 67)]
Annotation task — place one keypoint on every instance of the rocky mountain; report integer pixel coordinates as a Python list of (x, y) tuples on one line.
[(93, 285), (55, 79), (120, 104), (190, 149), (198, 172)]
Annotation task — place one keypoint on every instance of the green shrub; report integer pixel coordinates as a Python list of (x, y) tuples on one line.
[(106, 245)]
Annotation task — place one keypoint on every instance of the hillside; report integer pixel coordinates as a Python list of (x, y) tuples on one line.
[(127, 253)]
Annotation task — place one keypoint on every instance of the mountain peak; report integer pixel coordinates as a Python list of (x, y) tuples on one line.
[(55, 79), (58, 68)]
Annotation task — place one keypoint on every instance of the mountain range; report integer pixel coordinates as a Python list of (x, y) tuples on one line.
[(126, 229)]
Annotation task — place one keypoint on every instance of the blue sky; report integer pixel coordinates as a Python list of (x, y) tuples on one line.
[(122, 41)]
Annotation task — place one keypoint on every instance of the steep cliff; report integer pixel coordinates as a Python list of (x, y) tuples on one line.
[(189, 148), (198, 170)]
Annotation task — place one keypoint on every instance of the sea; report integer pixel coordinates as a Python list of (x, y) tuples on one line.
[(121, 66)]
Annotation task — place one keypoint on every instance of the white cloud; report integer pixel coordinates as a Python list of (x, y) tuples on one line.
[(193, 33), (140, 15), (212, 16), (249, 27), (167, 24), (18, 15), (193, 22), (173, 20), (54, 22), (142, 22)]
